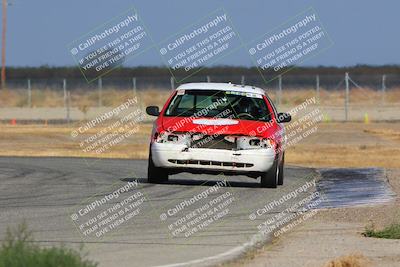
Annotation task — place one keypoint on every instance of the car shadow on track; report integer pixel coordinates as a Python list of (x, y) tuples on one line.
[(197, 182)]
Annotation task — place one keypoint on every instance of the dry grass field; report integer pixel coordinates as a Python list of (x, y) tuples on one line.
[(156, 96), (332, 145), (79, 98), (349, 145)]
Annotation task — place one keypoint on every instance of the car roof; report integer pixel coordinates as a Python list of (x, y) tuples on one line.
[(221, 87)]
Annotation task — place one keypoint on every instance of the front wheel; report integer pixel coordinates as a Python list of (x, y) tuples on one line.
[(155, 174), (269, 179)]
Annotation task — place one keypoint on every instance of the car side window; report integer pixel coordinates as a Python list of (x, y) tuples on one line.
[(273, 107), (179, 101), (187, 102)]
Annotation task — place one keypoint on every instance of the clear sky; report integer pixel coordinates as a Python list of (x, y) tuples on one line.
[(363, 31)]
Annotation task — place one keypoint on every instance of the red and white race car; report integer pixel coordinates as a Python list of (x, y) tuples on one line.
[(218, 128)]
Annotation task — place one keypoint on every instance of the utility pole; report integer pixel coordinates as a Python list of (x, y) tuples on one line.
[(3, 45), (100, 88), (134, 86), (172, 83), (317, 87), (346, 99), (68, 106), (279, 90), (29, 94), (65, 92), (383, 88)]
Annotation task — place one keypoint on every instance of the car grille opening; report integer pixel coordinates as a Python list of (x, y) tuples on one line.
[(213, 142), (211, 163)]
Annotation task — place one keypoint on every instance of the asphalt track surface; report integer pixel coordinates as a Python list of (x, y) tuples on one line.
[(47, 192)]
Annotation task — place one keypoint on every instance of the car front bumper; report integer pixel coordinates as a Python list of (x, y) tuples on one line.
[(179, 156)]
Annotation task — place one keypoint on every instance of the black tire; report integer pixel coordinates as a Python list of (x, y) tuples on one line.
[(269, 179), (281, 166), (155, 174)]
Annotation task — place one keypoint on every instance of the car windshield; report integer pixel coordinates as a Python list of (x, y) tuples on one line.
[(218, 104)]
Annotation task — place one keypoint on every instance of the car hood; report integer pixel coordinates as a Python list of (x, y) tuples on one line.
[(219, 126)]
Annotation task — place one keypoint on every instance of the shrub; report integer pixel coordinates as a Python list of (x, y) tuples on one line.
[(391, 232), (20, 250)]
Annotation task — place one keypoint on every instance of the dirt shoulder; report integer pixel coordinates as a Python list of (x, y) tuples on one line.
[(335, 233), (349, 145)]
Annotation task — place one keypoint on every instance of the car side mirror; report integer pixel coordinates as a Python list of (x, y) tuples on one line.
[(152, 111), (283, 117)]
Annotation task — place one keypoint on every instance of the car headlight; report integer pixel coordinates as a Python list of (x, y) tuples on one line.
[(166, 137), (247, 142), (254, 142), (172, 138), (268, 143)]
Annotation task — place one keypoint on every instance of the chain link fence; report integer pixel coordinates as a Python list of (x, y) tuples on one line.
[(358, 97)]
